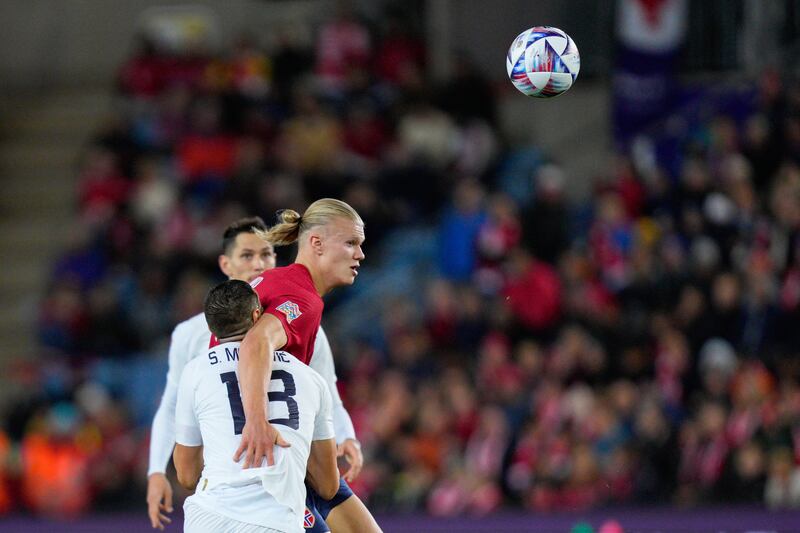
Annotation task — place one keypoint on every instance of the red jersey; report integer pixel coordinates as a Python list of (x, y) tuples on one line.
[(288, 294)]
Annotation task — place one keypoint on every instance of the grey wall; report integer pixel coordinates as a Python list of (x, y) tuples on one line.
[(57, 42), (46, 42)]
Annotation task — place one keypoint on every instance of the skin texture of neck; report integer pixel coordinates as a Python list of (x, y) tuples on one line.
[(306, 258), (233, 338)]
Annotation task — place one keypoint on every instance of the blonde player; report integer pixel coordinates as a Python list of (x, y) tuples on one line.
[(209, 420), (330, 235)]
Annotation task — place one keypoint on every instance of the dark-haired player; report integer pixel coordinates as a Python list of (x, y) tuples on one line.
[(209, 420)]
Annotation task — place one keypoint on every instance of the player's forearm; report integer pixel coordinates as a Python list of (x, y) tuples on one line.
[(188, 465), (322, 473), (342, 423), (255, 363), (162, 432), (189, 476)]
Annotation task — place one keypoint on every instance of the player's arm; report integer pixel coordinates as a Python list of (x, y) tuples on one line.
[(323, 475), (188, 455), (162, 437), (162, 433), (162, 440), (348, 445), (255, 363), (188, 464)]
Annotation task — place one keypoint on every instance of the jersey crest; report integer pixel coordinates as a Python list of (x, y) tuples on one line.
[(309, 519), (290, 309)]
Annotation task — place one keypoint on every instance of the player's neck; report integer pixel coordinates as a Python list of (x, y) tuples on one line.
[(232, 338), (316, 277)]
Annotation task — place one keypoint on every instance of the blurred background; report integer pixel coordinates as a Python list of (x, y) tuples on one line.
[(575, 314)]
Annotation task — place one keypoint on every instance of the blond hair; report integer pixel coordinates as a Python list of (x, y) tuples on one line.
[(291, 224)]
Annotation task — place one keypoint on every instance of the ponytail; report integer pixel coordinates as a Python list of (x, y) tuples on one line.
[(291, 224), (286, 231)]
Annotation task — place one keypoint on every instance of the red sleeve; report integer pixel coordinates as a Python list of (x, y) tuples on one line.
[(280, 305), (284, 309)]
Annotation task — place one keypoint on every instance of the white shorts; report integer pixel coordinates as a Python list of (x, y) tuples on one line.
[(198, 519)]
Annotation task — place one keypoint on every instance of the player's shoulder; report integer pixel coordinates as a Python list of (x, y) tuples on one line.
[(268, 277), (191, 326), (279, 278), (286, 360), (192, 371), (313, 376)]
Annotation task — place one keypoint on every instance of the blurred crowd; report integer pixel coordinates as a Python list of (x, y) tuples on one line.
[(639, 346)]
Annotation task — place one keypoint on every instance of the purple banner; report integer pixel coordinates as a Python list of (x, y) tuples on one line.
[(727, 519), (643, 88), (649, 35)]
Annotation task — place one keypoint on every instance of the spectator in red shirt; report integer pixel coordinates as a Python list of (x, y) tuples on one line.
[(103, 189), (533, 292), (343, 45), (142, 75)]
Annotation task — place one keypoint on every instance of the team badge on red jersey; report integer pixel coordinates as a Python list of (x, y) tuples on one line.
[(309, 519), (290, 309)]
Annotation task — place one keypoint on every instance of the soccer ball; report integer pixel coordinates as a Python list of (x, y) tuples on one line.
[(543, 62)]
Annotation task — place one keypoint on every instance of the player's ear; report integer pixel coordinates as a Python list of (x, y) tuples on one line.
[(257, 312), (315, 240), (224, 264)]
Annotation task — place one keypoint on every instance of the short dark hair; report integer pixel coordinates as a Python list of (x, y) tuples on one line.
[(243, 225), (229, 308)]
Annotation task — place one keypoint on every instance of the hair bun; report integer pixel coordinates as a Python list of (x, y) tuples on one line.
[(289, 216)]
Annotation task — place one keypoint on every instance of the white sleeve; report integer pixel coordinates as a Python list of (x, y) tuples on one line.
[(322, 362), (187, 429), (323, 423), (162, 433)]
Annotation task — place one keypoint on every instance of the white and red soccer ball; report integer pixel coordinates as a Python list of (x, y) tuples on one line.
[(543, 62)]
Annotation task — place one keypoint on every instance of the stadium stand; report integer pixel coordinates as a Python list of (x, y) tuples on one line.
[(523, 349)]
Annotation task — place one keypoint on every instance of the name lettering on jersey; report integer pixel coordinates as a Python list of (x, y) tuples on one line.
[(290, 309), (281, 356), (256, 281), (212, 356), (232, 356)]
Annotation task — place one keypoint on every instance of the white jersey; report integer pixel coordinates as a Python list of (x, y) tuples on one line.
[(191, 339), (322, 362), (210, 413)]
